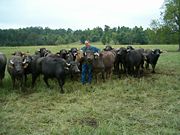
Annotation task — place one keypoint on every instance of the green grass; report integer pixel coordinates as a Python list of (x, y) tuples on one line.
[(149, 105)]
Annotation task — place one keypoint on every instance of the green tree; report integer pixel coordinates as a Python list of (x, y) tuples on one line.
[(171, 16), (104, 40), (115, 37)]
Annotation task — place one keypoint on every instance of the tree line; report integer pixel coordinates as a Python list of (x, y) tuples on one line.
[(166, 30), (116, 35)]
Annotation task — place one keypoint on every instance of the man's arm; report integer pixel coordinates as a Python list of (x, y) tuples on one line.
[(95, 49)]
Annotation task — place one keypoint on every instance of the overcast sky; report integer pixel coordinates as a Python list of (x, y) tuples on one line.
[(78, 14)]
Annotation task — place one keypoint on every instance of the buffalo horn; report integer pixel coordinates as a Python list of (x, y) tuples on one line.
[(11, 62), (68, 64), (24, 61)]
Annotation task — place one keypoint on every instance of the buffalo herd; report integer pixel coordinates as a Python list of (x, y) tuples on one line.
[(128, 61)]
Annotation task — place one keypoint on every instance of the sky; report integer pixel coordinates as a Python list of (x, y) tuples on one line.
[(78, 14)]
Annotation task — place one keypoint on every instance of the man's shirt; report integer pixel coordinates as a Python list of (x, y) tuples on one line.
[(90, 48)]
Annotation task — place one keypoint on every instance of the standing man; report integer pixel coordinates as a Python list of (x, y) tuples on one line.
[(87, 67)]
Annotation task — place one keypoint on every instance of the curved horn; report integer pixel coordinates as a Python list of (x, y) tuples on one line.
[(68, 64), (11, 62), (24, 61), (152, 50), (75, 54), (97, 54), (128, 50)]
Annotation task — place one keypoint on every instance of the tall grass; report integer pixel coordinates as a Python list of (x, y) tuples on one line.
[(149, 105)]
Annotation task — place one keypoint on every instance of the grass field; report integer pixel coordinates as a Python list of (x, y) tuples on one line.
[(128, 106)]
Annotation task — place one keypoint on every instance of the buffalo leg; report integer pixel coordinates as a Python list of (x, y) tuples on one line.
[(147, 65), (61, 83), (46, 81), (21, 83), (153, 67), (13, 82), (25, 77), (34, 77), (103, 77), (137, 72)]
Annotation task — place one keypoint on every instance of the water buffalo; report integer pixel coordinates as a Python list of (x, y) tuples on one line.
[(134, 60), (28, 65), (80, 58), (3, 61), (151, 57), (63, 53), (42, 52), (108, 48), (120, 60), (73, 51), (130, 48), (108, 60), (140, 50), (18, 53), (51, 67), (98, 66), (95, 59), (131, 60), (15, 67)]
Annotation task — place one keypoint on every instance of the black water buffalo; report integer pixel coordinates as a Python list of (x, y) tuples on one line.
[(134, 60), (18, 53), (42, 52), (15, 67), (108, 48), (28, 65), (51, 67), (131, 61), (3, 61), (73, 51), (120, 60), (151, 57), (63, 53), (130, 48), (140, 50)]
